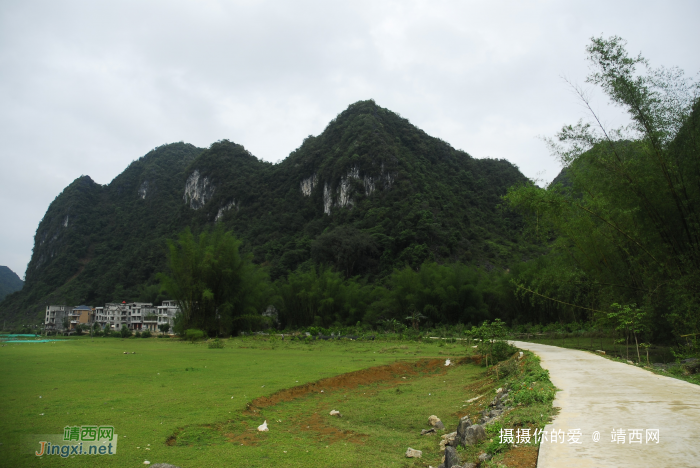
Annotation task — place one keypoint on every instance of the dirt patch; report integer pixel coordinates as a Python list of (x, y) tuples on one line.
[(521, 457), (329, 434), (391, 373)]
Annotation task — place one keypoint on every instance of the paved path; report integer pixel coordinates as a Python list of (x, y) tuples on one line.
[(601, 395)]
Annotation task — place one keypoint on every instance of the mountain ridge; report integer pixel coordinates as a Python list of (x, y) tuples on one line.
[(370, 176)]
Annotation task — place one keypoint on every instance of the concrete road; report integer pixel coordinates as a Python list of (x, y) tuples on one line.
[(602, 395)]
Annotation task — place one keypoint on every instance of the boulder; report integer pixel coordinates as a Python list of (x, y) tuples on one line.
[(462, 426), (474, 434), (413, 453), (485, 457), (432, 420), (439, 426), (428, 431), (452, 458)]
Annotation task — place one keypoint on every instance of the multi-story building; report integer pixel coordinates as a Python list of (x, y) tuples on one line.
[(54, 317), (167, 312), (136, 315), (112, 314), (80, 315), (141, 316)]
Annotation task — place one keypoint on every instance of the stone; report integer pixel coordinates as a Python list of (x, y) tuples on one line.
[(448, 439), (428, 431), (485, 457), (432, 420), (462, 426), (474, 434), (451, 458), (469, 465), (336, 413), (164, 465), (413, 453), (439, 426)]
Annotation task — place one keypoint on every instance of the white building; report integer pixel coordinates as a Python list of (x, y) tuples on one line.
[(136, 316), (167, 313), (54, 317)]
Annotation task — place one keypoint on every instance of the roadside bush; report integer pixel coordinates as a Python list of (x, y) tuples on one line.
[(146, 334), (137, 334), (115, 334), (502, 350), (125, 332)]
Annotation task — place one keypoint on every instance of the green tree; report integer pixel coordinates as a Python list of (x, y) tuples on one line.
[(627, 220), (164, 328), (212, 282), (630, 319), (125, 332)]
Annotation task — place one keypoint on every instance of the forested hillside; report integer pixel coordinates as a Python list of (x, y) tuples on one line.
[(9, 282), (370, 194)]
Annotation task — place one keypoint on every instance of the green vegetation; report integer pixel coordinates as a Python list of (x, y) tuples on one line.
[(625, 216), (9, 282), (181, 403), (212, 282), (415, 199)]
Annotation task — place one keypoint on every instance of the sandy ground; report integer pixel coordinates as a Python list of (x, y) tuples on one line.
[(605, 396)]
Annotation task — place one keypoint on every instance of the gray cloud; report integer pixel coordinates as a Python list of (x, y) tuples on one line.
[(86, 87)]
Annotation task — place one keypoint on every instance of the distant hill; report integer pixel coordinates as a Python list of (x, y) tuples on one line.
[(9, 282), (371, 185)]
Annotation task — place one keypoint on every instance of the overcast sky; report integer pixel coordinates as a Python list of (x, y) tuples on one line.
[(88, 86)]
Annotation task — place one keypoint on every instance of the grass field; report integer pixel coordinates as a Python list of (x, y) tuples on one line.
[(181, 403)]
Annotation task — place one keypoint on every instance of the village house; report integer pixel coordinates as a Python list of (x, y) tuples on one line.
[(54, 317), (136, 316)]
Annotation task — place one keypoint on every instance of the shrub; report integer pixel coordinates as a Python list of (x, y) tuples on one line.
[(115, 334), (215, 344), (193, 334), (137, 334), (146, 334), (125, 332)]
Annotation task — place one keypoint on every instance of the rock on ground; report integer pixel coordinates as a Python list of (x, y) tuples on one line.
[(474, 434), (448, 439), (451, 458), (413, 453), (464, 423)]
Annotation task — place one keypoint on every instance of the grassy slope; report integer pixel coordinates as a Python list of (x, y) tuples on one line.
[(150, 395)]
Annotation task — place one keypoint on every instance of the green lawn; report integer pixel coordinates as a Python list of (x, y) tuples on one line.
[(199, 395)]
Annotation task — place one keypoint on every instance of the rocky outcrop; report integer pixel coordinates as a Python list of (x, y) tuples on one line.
[(343, 195), (198, 190), (308, 184), (225, 208), (143, 189)]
